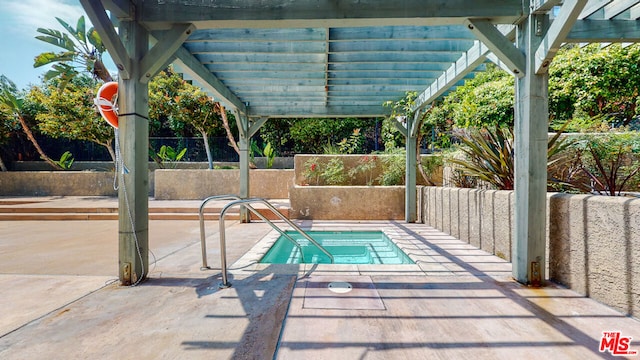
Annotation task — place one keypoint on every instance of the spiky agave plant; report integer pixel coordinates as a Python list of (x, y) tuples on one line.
[(489, 155)]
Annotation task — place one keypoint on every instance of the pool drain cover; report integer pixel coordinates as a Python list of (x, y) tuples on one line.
[(344, 292), (340, 287)]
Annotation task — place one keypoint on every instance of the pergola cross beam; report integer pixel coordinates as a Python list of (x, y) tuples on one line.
[(556, 34), (101, 22), (500, 45), (163, 51)]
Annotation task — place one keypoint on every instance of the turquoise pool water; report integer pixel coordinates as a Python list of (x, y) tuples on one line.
[(347, 247)]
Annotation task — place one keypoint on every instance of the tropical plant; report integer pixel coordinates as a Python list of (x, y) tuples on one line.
[(12, 103), (81, 51), (489, 155), (66, 160), (253, 150), (270, 153), (168, 154)]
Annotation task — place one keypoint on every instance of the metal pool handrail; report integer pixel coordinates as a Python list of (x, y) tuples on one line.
[(203, 244), (223, 251), (250, 208)]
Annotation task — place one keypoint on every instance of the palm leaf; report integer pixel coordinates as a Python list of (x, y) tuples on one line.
[(50, 57), (62, 41), (80, 30), (95, 40)]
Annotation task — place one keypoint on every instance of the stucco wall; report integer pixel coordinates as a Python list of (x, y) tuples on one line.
[(593, 241), (347, 202), (57, 183), (198, 184)]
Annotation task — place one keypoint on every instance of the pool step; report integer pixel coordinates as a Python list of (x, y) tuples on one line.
[(12, 213), (347, 251)]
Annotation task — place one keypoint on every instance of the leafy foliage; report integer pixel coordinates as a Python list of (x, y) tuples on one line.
[(309, 136), (590, 81), (69, 113), (12, 104), (486, 100), (168, 154), (180, 104)]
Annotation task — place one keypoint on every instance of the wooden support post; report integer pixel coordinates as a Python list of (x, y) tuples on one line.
[(133, 194), (244, 144), (531, 123), (411, 204)]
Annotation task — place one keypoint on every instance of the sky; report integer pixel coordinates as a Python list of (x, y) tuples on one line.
[(19, 20)]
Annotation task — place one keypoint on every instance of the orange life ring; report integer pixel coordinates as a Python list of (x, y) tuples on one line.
[(106, 103)]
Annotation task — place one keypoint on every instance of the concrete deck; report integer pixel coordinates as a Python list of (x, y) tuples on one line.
[(60, 299)]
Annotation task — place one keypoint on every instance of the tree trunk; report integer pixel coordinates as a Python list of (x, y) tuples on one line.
[(225, 123), (424, 175), (2, 167), (101, 72), (33, 140), (205, 138)]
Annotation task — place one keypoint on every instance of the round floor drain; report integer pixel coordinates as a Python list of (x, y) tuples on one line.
[(340, 287)]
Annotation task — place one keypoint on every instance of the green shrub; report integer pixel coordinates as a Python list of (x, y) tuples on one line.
[(334, 173), (393, 168)]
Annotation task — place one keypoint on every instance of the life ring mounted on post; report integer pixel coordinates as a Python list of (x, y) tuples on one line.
[(107, 102)]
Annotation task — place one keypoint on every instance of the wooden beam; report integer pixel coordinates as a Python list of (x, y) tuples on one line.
[(304, 110), (456, 72), (597, 31), (122, 9), (618, 7), (543, 6), (494, 59), (101, 22), (557, 33), (201, 74), (164, 50), (594, 7), (502, 47), (325, 13), (256, 125)]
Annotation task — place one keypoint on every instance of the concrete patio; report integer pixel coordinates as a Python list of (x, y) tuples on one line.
[(60, 299)]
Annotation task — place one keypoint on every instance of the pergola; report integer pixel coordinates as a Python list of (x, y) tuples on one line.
[(343, 58)]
